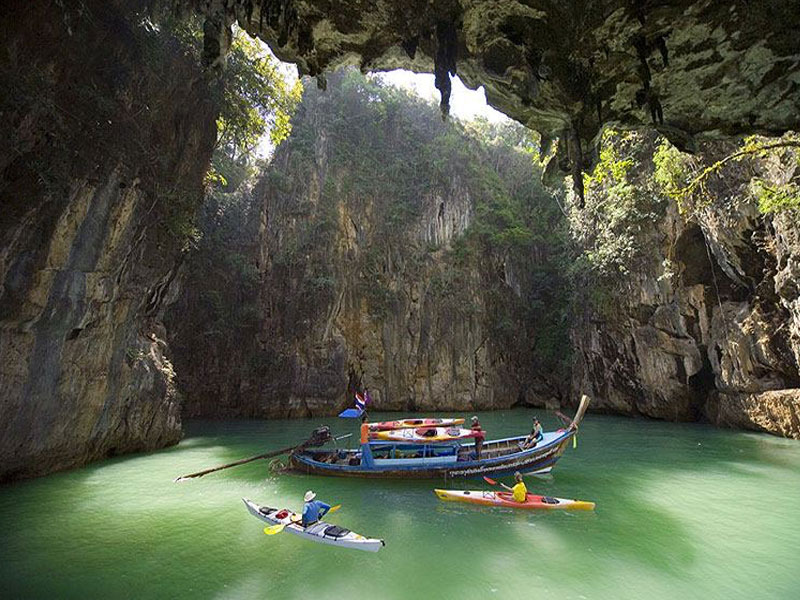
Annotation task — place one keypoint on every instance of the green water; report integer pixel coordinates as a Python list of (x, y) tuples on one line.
[(684, 511)]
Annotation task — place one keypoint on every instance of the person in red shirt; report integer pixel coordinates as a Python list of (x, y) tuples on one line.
[(476, 426), (364, 430)]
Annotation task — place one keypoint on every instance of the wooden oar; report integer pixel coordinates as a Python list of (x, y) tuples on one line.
[(237, 463), (273, 529), (493, 482), (318, 437)]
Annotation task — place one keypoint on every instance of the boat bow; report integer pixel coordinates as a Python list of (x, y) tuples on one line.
[(582, 407)]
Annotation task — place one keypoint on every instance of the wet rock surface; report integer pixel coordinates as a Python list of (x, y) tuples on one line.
[(96, 152), (707, 328)]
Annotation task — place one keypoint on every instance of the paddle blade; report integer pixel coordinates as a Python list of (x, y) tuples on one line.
[(351, 413), (489, 480), (575, 441), (272, 530), (334, 508)]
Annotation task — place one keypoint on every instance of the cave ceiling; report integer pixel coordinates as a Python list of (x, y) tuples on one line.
[(693, 70)]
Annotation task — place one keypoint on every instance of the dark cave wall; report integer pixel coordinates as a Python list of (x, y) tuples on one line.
[(105, 135)]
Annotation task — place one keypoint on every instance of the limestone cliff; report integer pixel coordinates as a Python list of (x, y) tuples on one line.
[(105, 134), (383, 248), (706, 325)]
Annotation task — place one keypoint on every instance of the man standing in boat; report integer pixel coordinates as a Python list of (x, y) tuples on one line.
[(479, 435), (313, 510), (366, 452)]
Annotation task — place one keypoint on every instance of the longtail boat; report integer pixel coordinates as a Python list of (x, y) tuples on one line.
[(431, 460)]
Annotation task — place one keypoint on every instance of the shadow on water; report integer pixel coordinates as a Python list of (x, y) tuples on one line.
[(123, 525)]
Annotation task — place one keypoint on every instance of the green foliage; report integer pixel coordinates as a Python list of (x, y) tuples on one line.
[(620, 210), (256, 98), (672, 171), (776, 198), (777, 186), (688, 180), (253, 96)]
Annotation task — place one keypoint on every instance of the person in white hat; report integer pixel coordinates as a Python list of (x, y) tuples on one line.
[(313, 510)]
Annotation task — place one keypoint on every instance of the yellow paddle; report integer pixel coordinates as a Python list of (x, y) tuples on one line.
[(273, 529)]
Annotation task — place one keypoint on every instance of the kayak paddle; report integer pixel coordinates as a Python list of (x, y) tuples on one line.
[(273, 529), (493, 482)]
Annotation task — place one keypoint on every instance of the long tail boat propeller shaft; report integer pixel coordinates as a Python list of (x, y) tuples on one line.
[(319, 436)]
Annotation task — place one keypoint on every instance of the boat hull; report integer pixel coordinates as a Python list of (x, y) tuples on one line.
[(503, 500), (534, 461), (315, 532)]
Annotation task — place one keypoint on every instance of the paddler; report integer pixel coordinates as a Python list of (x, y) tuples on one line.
[(313, 510), (519, 493)]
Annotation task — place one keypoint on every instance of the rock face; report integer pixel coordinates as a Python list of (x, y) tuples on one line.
[(364, 273), (692, 69), (707, 327), (98, 159)]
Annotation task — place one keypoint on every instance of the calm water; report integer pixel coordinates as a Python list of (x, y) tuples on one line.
[(684, 511)]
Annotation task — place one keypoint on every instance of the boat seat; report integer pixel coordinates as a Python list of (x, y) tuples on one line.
[(318, 527)]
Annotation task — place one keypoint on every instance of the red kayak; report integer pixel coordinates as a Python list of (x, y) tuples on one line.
[(533, 501), (426, 434), (412, 423)]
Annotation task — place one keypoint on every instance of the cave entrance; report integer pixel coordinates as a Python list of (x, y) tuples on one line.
[(700, 267), (701, 384)]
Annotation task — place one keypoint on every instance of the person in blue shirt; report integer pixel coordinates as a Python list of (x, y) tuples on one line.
[(313, 510), (535, 437)]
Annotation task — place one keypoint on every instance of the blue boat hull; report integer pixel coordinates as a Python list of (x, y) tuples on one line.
[(535, 460)]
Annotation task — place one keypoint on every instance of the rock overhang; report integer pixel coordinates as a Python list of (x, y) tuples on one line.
[(693, 69)]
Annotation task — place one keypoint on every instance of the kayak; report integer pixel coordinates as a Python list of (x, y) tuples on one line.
[(321, 532), (412, 423), (426, 434), (533, 501)]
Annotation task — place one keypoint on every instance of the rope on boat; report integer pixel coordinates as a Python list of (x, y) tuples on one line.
[(276, 465)]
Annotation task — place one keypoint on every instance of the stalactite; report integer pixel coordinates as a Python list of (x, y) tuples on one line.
[(445, 61)]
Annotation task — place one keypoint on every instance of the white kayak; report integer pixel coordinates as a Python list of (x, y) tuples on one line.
[(321, 532)]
